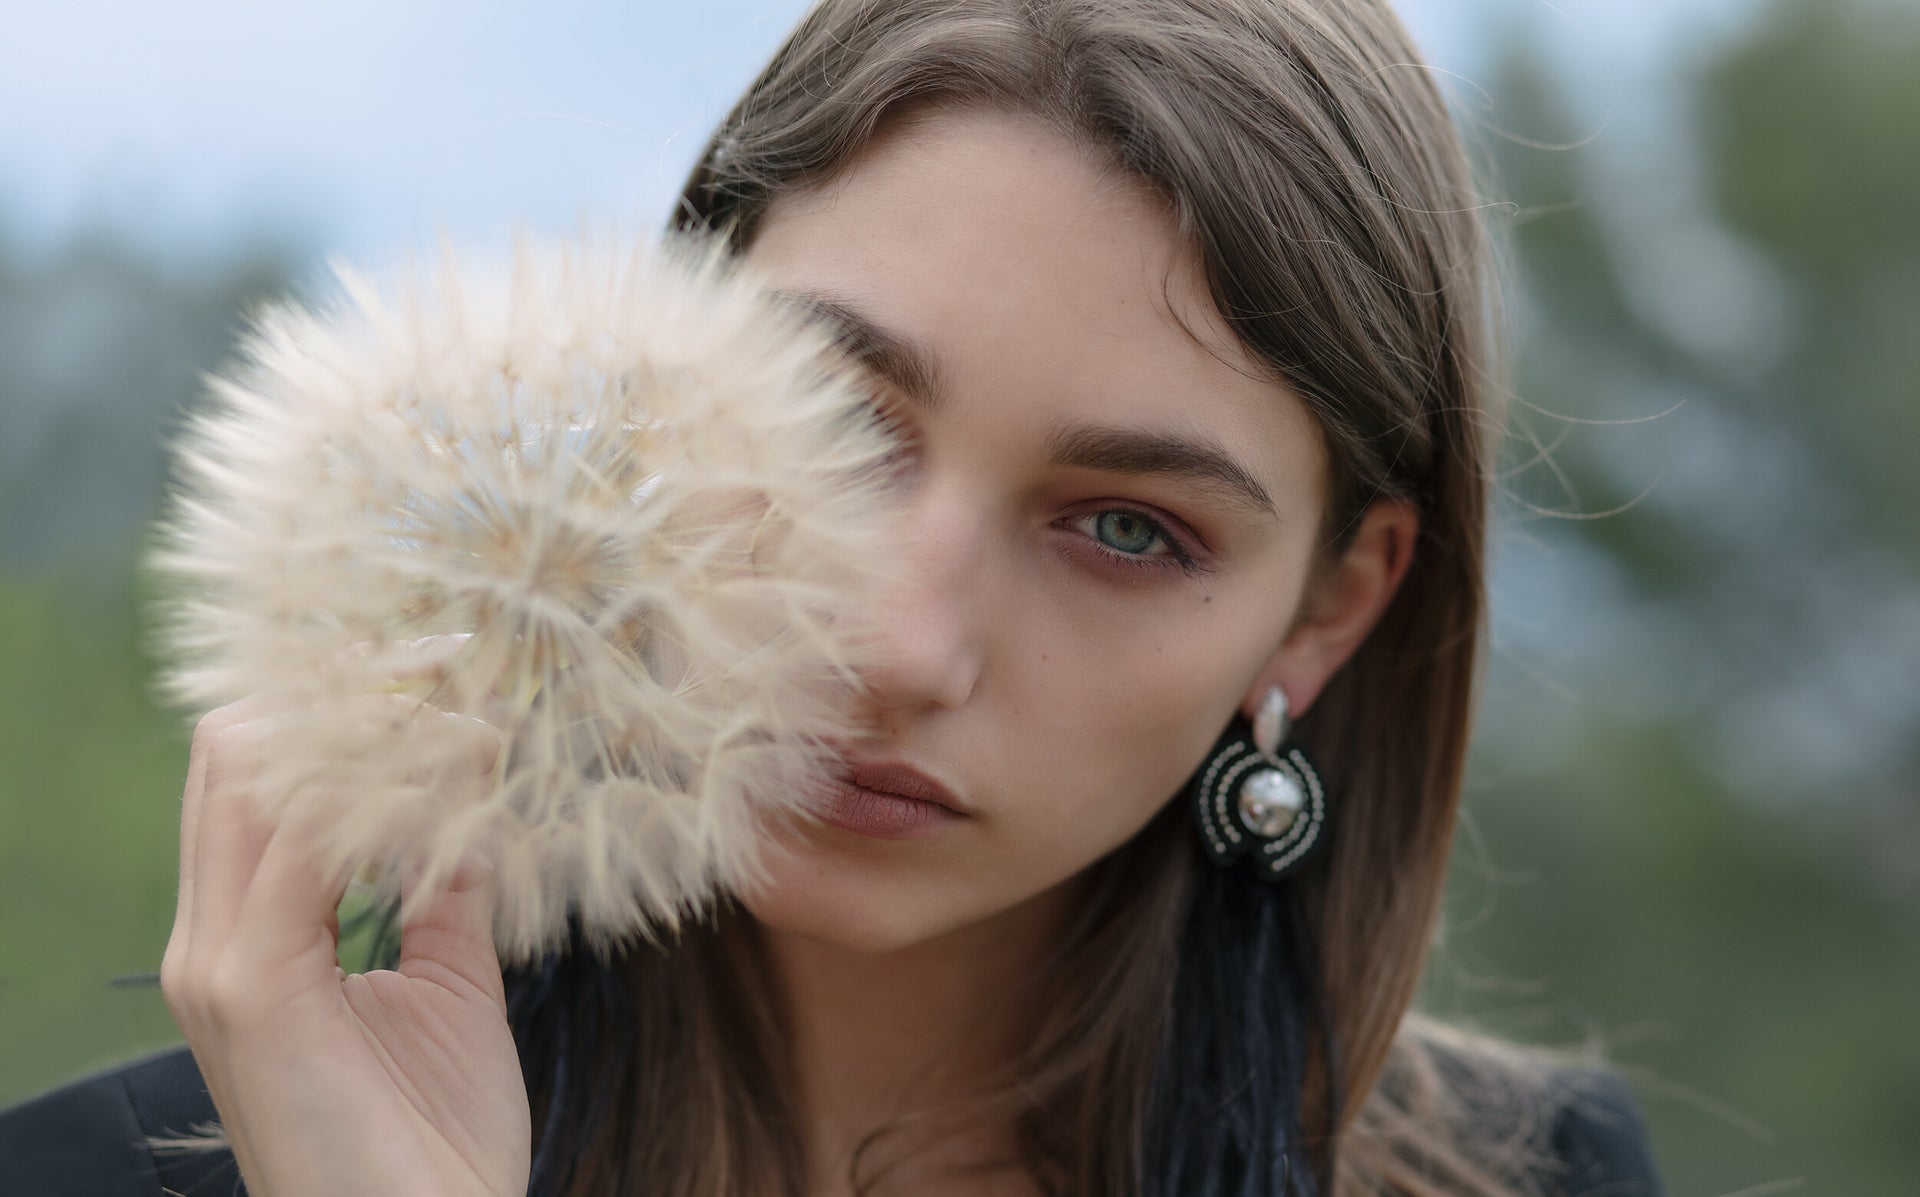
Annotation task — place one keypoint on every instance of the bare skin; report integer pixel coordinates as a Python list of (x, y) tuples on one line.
[(1062, 691), (402, 1081), (1048, 659)]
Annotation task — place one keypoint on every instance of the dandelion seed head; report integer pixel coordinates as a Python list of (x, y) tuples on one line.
[(609, 499)]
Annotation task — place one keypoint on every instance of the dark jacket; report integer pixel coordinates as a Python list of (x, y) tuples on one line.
[(86, 1138)]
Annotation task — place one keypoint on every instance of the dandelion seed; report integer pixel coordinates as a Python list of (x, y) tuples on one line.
[(611, 500)]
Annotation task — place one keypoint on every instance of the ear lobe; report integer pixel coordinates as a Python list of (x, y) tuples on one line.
[(1341, 607)]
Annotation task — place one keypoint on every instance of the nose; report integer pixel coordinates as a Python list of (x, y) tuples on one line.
[(926, 623)]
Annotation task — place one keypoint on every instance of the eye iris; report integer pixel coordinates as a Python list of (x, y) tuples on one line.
[(1126, 531)]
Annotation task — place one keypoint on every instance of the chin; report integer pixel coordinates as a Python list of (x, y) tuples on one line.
[(862, 920), (851, 905)]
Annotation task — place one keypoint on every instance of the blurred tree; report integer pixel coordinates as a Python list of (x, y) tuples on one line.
[(1703, 712), (101, 348)]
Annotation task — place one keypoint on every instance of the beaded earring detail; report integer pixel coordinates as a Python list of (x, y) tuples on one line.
[(1250, 799)]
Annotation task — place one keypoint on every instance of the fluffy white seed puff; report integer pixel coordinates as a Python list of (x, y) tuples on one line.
[(612, 500)]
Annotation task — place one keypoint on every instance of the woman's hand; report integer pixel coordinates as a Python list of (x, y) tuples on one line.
[(401, 1081)]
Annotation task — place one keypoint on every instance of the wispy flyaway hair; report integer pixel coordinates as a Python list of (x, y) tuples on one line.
[(611, 500)]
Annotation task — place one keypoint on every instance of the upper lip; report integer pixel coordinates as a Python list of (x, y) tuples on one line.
[(902, 779)]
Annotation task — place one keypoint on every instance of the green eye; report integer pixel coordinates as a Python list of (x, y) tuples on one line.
[(1128, 532), (1133, 542)]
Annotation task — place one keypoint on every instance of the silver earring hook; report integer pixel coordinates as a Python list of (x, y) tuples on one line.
[(1270, 723)]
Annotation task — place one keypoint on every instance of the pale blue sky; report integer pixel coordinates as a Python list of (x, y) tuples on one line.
[(364, 126)]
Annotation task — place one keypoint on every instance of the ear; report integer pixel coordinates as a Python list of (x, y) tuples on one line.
[(1340, 607)]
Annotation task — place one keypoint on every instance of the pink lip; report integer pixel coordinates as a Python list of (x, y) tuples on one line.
[(894, 777), (887, 800)]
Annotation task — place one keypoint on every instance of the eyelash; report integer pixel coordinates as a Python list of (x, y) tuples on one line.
[(1177, 557), (887, 420)]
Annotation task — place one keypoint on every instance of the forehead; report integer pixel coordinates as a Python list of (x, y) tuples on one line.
[(1042, 281)]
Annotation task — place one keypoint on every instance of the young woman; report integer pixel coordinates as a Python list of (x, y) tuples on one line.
[(1181, 306)]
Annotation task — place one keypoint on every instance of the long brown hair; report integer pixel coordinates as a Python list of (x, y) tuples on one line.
[(1314, 167)]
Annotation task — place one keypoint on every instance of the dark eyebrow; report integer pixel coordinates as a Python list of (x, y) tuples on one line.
[(909, 366), (893, 356), (1129, 451)]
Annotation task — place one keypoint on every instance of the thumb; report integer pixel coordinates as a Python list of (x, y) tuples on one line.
[(449, 937)]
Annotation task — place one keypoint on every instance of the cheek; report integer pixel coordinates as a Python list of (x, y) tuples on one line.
[(869, 898), (1092, 718), (1110, 739)]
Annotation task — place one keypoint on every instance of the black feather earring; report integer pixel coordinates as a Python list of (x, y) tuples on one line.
[(1250, 798)]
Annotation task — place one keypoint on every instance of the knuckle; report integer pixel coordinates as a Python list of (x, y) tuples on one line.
[(185, 990), (205, 994), (173, 960), (172, 983), (203, 733), (224, 995), (210, 725), (216, 734), (224, 737), (232, 749)]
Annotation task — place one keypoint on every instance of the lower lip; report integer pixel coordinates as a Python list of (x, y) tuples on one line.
[(882, 816)]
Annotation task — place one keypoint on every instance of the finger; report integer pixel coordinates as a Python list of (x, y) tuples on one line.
[(230, 834), (449, 939), (234, 840), (287, 928), (205, 732)]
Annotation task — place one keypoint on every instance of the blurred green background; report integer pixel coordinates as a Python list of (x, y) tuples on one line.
[(1694, 816)]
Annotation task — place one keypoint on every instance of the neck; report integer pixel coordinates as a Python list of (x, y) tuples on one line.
[(877, 1037)]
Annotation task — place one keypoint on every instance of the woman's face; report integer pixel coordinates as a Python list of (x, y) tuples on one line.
[(1110, 515)]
